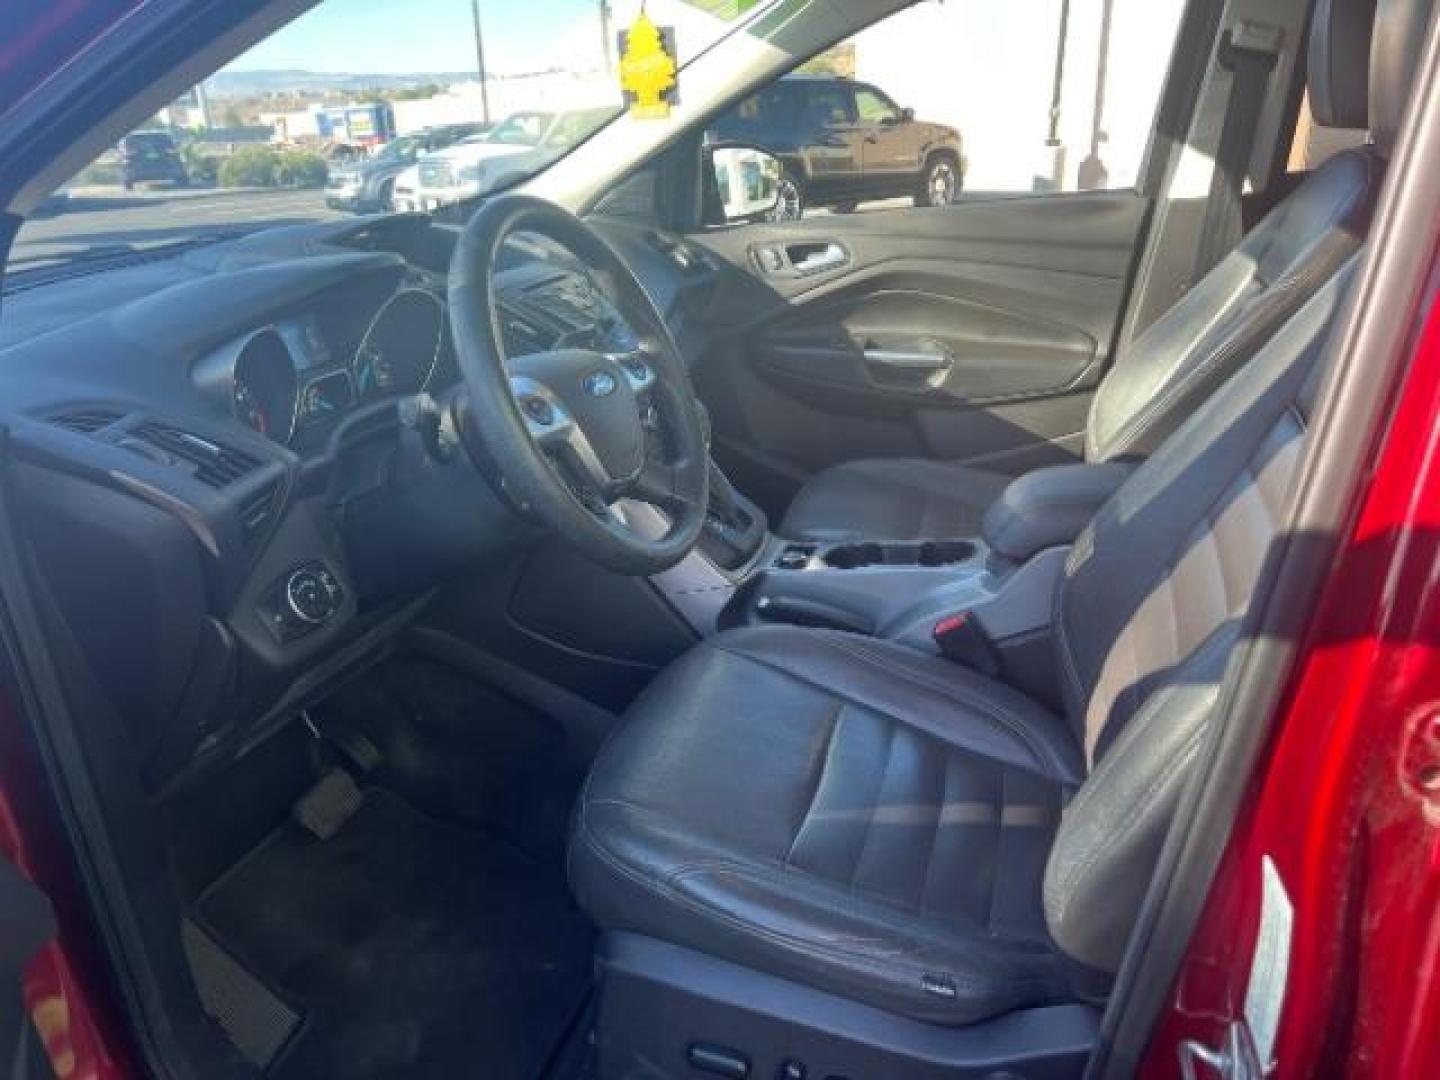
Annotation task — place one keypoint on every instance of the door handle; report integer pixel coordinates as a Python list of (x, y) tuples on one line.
[(811, 258), (905, 360)]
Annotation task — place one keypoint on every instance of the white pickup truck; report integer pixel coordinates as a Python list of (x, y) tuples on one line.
[(512, 150)]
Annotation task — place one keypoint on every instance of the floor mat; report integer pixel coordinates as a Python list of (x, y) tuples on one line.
[(414, 947)]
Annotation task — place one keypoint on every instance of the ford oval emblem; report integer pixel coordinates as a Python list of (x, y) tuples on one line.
[(600, 384)]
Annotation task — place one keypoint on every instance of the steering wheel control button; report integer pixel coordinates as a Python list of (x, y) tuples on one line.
[(637, 371), (538, 410), (600, 384), (303, 601)]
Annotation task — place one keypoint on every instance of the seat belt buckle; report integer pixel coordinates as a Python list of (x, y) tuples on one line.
[(961, 638)]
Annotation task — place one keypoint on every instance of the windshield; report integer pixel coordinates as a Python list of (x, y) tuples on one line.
[(273, 138), (522, 129), (402, 149)]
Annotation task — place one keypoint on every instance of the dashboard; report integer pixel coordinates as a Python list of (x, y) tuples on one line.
[(295, 379), (222, 459)]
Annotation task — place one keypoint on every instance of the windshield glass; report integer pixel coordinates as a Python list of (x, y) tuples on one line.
[(522, 129), (272, 138), (402, 149)]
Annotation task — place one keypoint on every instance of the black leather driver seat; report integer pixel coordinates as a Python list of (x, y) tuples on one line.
[(1179, 361), (894, 828)]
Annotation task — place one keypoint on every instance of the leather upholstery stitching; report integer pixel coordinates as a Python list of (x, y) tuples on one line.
[(835, 714), (1005, 723), (956, 695), (999, 855), (874, 802), (808, 949)]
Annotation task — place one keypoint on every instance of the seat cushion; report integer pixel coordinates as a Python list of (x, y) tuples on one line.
[(836, 810), (896, 499)]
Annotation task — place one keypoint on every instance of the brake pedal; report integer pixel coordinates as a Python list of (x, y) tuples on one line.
[(326, 807)]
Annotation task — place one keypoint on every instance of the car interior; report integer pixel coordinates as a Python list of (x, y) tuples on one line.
[(522, 643)]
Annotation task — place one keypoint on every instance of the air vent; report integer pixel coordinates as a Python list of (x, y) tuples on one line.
[(215, 465), (258, 513), (86, 421)]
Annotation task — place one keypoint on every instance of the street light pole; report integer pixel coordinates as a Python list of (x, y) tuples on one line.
[(1053, 176), (1057, 89), (1093, 173), (480, 62), (605, 35)]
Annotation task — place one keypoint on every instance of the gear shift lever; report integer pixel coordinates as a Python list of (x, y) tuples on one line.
[(734, 526)]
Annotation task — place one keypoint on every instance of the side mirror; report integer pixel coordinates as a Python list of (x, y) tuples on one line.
[(907, 115), (747, 184)]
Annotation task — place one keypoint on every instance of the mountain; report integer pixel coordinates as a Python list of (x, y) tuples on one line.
[(249, 84)]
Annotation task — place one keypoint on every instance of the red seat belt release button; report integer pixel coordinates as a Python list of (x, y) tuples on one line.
[(961, 638)]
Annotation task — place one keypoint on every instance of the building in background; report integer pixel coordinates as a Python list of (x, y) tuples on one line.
[(997, 85)]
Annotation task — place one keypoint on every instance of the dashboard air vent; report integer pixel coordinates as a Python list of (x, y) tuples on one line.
[(257, 514), (87, 421), (215, 465)]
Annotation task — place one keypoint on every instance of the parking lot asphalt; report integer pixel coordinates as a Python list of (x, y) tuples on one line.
[(144, 218)]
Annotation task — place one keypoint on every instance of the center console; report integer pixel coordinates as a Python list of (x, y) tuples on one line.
[(1002, 581), (896, 591)]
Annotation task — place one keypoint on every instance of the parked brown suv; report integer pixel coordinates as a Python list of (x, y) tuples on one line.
[(843, 142)]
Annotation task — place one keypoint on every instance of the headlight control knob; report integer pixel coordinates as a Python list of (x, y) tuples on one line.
[(312, 595)]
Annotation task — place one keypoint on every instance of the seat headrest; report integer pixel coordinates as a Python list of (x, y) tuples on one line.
[(1400, 31), (1339, 62)]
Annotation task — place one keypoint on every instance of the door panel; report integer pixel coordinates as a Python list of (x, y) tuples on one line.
[(974, 332)]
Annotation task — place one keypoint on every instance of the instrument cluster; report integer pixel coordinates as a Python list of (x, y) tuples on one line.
[(293, 378)]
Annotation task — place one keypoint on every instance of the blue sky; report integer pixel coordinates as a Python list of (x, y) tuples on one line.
[(383, 36)]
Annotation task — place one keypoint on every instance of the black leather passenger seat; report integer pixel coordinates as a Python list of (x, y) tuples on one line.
[(1190, 351)]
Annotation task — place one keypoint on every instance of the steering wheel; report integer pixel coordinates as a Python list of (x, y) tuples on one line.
[(574, 439)]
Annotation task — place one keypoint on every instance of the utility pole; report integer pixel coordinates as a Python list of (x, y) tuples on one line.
[(480, 62), (1053, 178), (1058, 87), (202, 102), (1093, 174), (605, 36)]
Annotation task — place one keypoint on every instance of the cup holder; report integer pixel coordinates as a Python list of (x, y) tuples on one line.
[(946, 552), (930, 553)]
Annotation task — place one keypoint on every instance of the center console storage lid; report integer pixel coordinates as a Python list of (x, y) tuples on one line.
[(1049, 507)]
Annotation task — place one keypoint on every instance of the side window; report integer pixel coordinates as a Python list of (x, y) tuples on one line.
[(828, 105), (1026, 96), (874, 107)]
